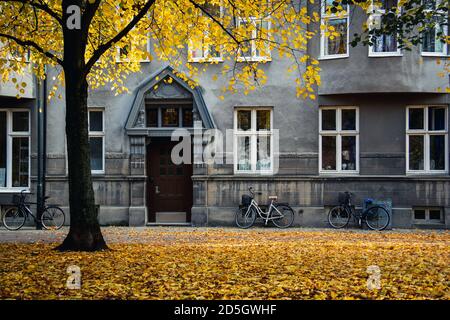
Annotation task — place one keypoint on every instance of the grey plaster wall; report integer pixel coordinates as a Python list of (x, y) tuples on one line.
[(380, 87), (360, 73), (312, 197)]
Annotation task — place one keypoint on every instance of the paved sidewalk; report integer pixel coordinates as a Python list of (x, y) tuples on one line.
[(187, 234)]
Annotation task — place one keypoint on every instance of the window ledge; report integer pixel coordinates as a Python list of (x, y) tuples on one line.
[(338, 173), (333, 57), (248, 59), (428, 223), (385, 55), (132, 61), (15, 190), (426, 173), (202, 60), (434, 54)]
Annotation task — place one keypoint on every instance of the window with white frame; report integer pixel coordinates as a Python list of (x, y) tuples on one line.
[(426, 139), (255, 48), (253, 140), (14, 149), (200, 50), (97, 140), (428, 215), (124, 52), (433, 43), (334, 31), (385, 44), (339, 140)]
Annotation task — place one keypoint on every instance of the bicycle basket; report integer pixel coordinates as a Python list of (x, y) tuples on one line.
[(246, 200), (16, 199), (343, 198)]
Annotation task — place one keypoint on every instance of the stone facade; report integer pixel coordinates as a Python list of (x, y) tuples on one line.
[(380, 87)]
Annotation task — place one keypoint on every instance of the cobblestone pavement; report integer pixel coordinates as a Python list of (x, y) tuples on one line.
[(185, 234)]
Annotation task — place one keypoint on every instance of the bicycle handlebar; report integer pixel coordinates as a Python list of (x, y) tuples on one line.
[(250, 189)]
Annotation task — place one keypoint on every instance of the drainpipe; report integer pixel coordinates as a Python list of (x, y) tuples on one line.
[(42, 148)]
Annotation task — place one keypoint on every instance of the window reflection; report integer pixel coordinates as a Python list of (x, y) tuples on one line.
[(416, 156), (20, 163), (329, 153), (348, 153), (170, 117)]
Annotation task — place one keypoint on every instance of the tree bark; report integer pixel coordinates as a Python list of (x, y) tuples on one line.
[(84, 233)]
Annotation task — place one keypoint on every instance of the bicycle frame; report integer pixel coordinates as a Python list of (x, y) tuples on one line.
[(357, 217), (27, 211), (266, 216)]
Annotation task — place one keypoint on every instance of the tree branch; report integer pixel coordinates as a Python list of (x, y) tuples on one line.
[(89, 13), (104, 47), (231, 35), (29, 43), (41, 6)]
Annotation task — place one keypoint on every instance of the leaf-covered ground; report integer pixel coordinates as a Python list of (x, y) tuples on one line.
[(165, 263)]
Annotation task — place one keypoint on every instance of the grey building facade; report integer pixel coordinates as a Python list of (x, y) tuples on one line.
[(379, 128)]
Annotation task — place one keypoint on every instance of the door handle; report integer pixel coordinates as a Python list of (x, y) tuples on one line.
[(157, 189)]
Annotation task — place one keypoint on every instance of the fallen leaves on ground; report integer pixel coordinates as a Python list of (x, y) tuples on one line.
[(234, 264)]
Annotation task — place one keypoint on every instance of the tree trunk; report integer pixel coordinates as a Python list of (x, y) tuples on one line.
[(84, 233)]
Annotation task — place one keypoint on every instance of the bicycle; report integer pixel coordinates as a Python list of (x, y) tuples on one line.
[(376, 217), (281, 214), (14, 218)]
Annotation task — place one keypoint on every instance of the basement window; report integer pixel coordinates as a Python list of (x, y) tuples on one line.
[(428, 215)]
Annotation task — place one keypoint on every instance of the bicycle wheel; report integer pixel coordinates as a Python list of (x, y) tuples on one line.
[(377, 218), (338, 217), (14, 219), (53, 218), (284, 217), (245, 217)]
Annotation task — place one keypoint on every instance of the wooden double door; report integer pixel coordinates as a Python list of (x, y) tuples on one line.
[(169, 186)]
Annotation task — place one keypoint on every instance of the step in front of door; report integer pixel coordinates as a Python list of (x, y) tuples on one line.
[(170, 217)]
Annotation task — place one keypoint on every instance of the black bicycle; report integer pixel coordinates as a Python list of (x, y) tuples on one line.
[(376, 217), (14, 218)]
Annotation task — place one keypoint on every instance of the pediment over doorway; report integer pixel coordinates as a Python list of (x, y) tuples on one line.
[(165, 85), (166, 90)]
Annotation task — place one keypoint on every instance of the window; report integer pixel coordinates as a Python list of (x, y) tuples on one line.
[(426, 139), (152, 117), (432, 45), (97, 140), (14, 149), (201, 51), (339, 140), (170, 116), (124, 52), (428, 215), (253, 140), (385, 44), (255, 48), (334, 32)]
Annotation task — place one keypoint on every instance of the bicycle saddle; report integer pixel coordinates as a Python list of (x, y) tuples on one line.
[(275, 198)]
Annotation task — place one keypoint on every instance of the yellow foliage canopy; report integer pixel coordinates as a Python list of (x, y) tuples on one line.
[(236, 28)]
